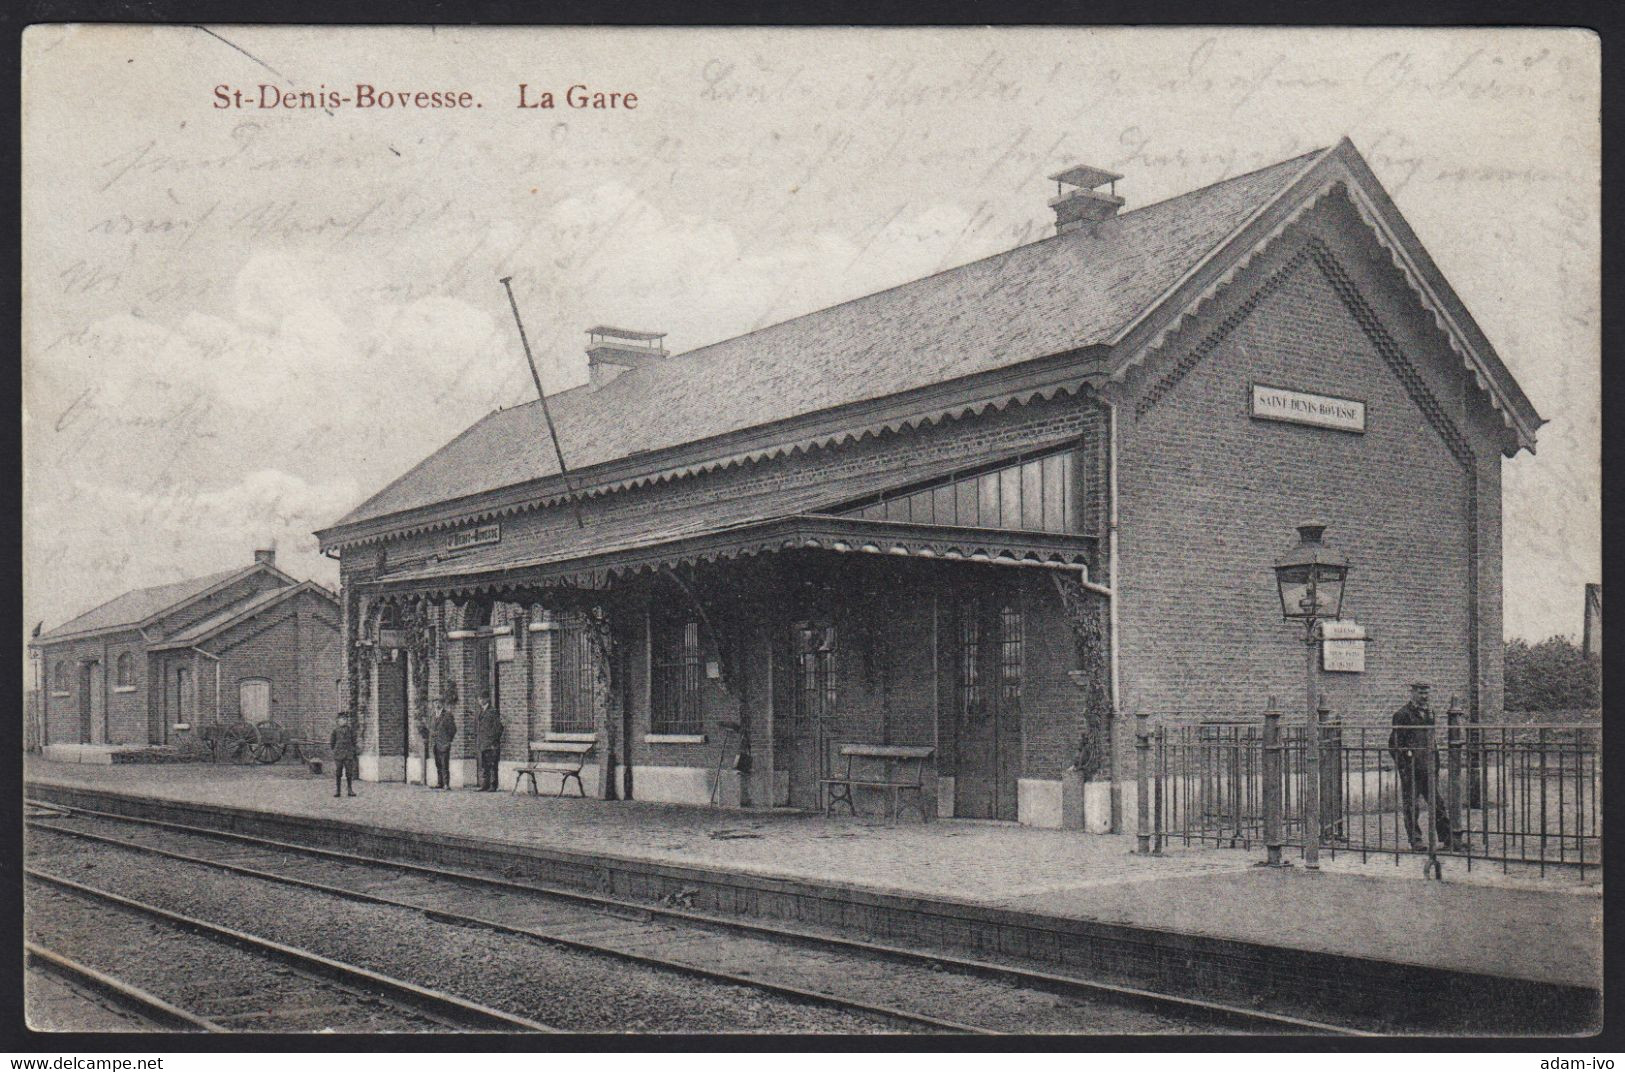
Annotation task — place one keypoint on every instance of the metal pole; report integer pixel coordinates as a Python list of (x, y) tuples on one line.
[(1330, 736), (1311, 759), (536, 378), (1159, 824), (1453, 796), (1142, 801), (1272, 785)]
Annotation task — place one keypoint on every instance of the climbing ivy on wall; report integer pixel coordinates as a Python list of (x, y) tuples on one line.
[(1086, 616)]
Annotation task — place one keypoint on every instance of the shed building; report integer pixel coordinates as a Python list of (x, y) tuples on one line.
[(155, 665)]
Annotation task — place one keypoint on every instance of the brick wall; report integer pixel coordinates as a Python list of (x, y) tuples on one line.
[(117, 715), (1209, 496)]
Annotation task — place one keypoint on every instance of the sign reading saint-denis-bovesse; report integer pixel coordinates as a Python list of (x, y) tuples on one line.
[(1300, 407), (474, 537)]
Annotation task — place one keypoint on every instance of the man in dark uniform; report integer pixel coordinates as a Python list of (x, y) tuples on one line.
[(488, 740), (444, 732), (343, 744), (1417, 767)]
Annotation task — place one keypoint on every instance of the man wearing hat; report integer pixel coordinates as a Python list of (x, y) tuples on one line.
[(343, 744), (488, 741), (1417, 766)]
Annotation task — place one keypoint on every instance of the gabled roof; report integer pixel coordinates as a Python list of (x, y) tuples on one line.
[(241, 611), (135, 609), (1091, 294)]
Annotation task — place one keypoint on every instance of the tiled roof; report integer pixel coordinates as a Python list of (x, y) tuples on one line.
[(1049, 297), (259, 601), (132, 608)]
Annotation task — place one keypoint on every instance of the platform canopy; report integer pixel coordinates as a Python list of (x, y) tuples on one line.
[(587, 564)]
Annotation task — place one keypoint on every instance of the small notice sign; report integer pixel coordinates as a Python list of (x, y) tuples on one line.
[(1300, 407), (474, 537), (1342, 647)]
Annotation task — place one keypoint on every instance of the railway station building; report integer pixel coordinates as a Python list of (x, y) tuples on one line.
[(982, 519), (155, 665)]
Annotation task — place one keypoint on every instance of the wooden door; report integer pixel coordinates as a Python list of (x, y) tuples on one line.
[(813, 685), (989, 657), (86, 730), (254, 699)]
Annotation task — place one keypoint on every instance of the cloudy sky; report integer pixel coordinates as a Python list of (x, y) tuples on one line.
[(239, 322)]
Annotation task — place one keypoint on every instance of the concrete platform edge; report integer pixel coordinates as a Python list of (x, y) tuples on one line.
[(1178, 961)]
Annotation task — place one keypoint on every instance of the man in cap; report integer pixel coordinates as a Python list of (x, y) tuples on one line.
[(1417, 767), (488, 739), (343, 744)]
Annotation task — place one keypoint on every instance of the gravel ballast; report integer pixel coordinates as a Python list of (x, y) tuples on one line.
[(570, 990)]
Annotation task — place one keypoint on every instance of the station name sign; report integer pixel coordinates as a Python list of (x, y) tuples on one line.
[(474, 537), (1299, 407)]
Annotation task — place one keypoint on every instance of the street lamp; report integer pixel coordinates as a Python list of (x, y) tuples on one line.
[(1310, 577)]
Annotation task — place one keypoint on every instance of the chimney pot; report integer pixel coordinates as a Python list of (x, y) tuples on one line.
[(1083, 205), (611, 351), (266, 556)]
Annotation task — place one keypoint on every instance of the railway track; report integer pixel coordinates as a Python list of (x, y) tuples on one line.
[(149, 1010), (259, 985), (924, 990)]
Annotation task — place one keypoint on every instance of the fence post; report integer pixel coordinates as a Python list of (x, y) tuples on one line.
[(1453, 742), (1331, 773), (1142, 796), (1272, 785), (1159, 823)]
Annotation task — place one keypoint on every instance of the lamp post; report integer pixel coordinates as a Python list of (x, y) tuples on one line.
[(1310, 578)]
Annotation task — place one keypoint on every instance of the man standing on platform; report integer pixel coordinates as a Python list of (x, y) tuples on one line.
[(1415, 762), (343, 745), (488, 739), (444, 732)]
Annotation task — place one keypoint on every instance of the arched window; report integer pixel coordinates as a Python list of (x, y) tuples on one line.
[(126, 671), (60, 681)]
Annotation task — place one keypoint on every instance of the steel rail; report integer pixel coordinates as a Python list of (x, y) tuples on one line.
[(132, 998), (1066, 984), (441, 915), (453, 1010)]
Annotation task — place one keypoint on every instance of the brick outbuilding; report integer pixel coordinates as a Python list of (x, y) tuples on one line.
[(156, 665), (990, 514)]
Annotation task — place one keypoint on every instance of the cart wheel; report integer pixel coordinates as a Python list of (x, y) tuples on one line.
[(238, 741), (271, 741)]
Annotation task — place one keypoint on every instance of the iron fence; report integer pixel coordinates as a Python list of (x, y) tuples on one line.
[(1484, 793)]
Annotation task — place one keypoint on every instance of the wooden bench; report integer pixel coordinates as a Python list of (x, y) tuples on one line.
[(902, 771), (563, 758)]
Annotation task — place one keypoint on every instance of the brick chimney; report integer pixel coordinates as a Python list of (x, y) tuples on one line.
[(611, 351), (266, 556), (1083, 205)]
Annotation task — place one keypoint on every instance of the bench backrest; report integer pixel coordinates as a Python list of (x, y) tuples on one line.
[(886, 751), (574, 749)]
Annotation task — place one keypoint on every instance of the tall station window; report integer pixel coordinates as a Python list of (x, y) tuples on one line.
[(126, 671), (59, 680), (1037, 494), (676, 674), (970, 658), (575, 680), (816, 681), (1012, 653)]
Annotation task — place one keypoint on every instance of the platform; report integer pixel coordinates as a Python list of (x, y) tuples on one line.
[(1207, 906)]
